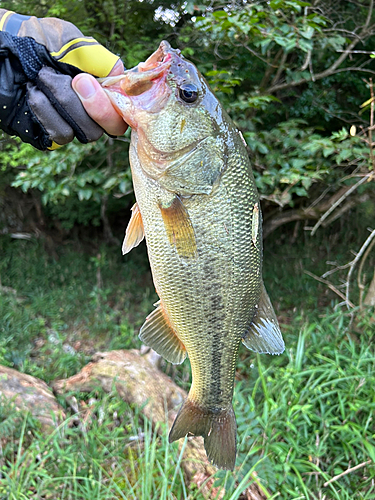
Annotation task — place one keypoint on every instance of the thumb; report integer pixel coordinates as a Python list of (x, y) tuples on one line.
[(97, 104)]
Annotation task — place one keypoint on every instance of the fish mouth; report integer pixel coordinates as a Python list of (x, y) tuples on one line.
[(162, 55), (138, 80)]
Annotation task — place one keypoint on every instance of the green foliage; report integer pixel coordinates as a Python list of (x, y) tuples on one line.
[(275, 74), (275, 24), (292, 157), (303, 418), (83, 171), (71, 181), (273, 66)]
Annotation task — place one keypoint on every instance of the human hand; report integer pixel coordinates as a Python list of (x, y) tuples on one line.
[(96, 102), (38, 60)]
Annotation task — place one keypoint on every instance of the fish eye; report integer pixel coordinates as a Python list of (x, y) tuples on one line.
[(188, 92)]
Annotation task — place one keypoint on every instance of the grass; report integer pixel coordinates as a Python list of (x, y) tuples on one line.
[(104, 457), (303, 417), (313, 413), (64, 309)]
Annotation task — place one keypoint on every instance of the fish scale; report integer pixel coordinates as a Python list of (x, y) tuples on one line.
[(198, 208), (219, 268)]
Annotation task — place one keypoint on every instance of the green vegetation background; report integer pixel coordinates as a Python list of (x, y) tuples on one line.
[(303, 417)]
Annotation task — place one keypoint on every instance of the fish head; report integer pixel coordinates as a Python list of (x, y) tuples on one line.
[(179, 123)]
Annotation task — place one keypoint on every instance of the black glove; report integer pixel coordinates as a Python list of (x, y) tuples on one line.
[(38, 59)]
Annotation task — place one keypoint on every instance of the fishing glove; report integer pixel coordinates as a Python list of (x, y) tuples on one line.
[(38, 59)]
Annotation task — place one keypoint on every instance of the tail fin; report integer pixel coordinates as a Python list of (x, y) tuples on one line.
[(218, 429)]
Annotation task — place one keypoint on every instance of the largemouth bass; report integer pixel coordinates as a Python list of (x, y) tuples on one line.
[(198, 208)]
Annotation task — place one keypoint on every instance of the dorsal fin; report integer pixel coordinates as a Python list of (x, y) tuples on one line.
[(264, 333), (179, 228), (134, 233), (158, 334)]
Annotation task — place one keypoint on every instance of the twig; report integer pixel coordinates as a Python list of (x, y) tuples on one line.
[(330, 285), (255, 54), (348, 205), (280, 68), (354, 262), (372, 157), (318, 76), (359, 51), (361, 285), (305, 65), (348, 471), (340, 200), (337, 268)]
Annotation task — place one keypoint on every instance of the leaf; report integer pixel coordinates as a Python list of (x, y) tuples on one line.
[(327, 151), (370, 449), (110, 183), (308, 32), (366, 103), (84, 194)]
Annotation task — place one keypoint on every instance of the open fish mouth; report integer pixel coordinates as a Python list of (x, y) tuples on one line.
[(140, 79), (161, 55)]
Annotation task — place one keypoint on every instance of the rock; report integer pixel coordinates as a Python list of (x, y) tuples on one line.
[(31, 394), (139, 381)]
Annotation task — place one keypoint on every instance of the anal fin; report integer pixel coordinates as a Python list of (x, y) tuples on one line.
[(264, 333), (134, 232), (158, 334), (179, 228)]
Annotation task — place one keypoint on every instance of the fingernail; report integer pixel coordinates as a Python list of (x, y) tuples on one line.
[(84, 87)]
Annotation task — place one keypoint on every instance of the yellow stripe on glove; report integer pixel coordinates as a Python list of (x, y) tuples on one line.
[(94, 59)]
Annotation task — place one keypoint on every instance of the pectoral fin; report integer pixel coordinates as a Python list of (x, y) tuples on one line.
[(157, 333), (179, 228), (264, 334), (134, 232)]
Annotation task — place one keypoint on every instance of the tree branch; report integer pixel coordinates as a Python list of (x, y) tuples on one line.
[(329, 284), (354, 262), (280, 68), (311, 213), (361, 285), (340, 200), (334, 67), (318, 76), (347, 471), (256, 54)]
